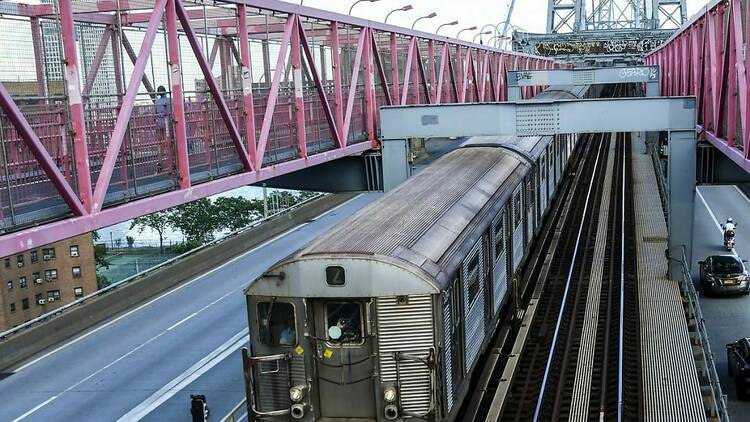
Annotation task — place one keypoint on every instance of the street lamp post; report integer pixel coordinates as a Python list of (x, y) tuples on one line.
[(430, 16), (479, 34), (403, 9), (358, 2), (471, 28), (445, 24)]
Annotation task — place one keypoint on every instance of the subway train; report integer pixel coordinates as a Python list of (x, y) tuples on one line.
[(385, 317)]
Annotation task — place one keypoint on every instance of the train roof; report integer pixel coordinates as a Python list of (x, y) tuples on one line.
[(427, 219)]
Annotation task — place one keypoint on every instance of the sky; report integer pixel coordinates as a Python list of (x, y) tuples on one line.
[(527, 14)]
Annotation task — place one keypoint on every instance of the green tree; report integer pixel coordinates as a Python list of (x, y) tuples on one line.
[(159, 222), (236, 212), (100, 255), (197, 220), (130, 241)]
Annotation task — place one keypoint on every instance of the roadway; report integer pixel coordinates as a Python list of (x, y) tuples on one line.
[(727, 317), (145, 363)]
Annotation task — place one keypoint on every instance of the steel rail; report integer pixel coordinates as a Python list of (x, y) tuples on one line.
[(550, 357)]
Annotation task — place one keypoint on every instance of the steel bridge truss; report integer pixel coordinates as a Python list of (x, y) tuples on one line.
[(564, 16), (254, 89), (707, 59)]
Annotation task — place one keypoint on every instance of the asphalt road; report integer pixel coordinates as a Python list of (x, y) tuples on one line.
[(144, 364), (727, 317)]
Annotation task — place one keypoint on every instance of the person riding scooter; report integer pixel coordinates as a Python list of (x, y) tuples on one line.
[(729, 228)]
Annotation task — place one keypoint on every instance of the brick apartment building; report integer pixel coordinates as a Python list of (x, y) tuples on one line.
[(43, 279)]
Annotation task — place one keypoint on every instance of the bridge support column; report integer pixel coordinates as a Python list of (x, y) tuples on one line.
[(396, 166), (681, 185)]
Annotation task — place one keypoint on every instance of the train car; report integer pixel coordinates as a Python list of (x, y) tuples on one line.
[(384, 317)]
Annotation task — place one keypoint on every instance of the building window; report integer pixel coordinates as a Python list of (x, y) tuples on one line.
[(76, 272), (39, 299), (53, 295), (22, 282), (36, 278), (34, 256), (19, 260), (7, 262), (78, 291), (10, 284), (74, 250), (50, 275), (25, 303), (12, 307), (48, 253)]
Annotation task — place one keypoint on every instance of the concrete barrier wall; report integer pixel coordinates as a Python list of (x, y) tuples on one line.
[(26, 344)]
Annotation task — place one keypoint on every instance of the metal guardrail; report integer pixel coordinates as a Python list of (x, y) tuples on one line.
[(113, 286), (691, 295), (238, 412)]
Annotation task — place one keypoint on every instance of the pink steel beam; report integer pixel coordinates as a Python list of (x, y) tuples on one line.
[(338, 101), (123, 117), (319, 86), (213, 87), (299, 95), (381, 70), (75, 104), (36, 41), (134, 58), (40, 153), (273, 93), (353, 85), (22, 240), (247, 83), (178, 102)]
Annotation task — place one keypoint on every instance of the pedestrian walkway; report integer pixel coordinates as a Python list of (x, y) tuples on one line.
[(671, 389)]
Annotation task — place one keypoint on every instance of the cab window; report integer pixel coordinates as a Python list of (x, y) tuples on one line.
[(344, 320), (276, 325)]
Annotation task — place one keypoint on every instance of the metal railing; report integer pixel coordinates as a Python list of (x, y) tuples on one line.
[(689, 294), (171, 261), (238, 412)]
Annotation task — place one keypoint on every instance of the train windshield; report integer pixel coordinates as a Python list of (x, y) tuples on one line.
[(344, 321), (276, 324)]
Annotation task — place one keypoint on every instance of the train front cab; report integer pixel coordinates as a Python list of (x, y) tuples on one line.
[(343, 346)]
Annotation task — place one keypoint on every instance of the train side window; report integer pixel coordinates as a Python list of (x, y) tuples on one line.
[(473, 278), (344, 320), (499, 236), (276, 324), (517, 209), (543, 168)]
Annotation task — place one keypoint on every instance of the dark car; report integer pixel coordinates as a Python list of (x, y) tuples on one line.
[(724, 274), (738, 362)]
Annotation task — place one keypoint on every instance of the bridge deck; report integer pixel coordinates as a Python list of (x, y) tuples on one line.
[(671, 390)]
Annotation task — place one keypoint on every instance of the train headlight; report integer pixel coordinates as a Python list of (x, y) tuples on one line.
[(389, 394), (296, 393)]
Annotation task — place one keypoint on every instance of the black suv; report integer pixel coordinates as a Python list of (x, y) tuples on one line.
[(724, 274), (738, 362)]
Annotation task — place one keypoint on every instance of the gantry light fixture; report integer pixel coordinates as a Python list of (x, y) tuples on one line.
[(471, 28), (403, 9), (358, 2), (479, 34), (430, 16), (445, 24)]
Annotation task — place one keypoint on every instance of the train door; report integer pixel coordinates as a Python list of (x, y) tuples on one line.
[(500, 267), (530, 206), (517, 226), (344, 363)]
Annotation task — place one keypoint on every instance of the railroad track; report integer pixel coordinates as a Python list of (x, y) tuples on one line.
[(577, 356)]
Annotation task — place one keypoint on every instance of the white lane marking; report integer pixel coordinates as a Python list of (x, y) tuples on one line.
[(705, 204), (187, 377), (713, 216), (181, 286), (39, 406)]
